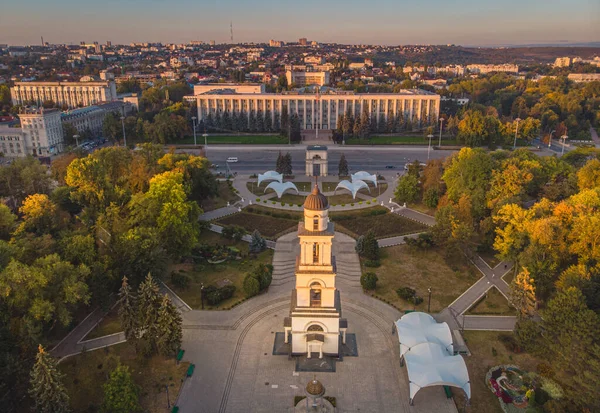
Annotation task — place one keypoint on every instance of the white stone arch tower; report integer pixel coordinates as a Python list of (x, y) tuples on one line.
[(315, 311)]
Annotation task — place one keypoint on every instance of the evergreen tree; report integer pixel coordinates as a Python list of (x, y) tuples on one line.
[(210, 122), (522, 293), (169, 328), (127, 310), (252, 122), (287, 164), (381, 124), (348, 126), (276, 127), (390, 125), (243, 121), (257, 243), (226, 121), (279, 166), (268, 122), (148, 305), (343, 166), (121, 394), (295, 133), (284, 122), (260, 121), (370, 246), (365, 123), (47, 390)]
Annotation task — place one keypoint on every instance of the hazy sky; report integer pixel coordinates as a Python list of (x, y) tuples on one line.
[(467, 22)]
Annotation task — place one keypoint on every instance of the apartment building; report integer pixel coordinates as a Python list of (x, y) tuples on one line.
[(307, 78), (584, 77), (483, 69)]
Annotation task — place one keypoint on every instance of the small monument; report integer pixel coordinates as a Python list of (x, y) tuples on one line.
[(314, 402)]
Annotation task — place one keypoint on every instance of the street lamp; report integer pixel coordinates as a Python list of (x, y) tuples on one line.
[(429, 302), (194, 123), (168, 400), (550, 139), (205, 144), (516, 133), (124, 138), (76, 137), (564, 138), (202, 294), (441, 126), (429, 147)]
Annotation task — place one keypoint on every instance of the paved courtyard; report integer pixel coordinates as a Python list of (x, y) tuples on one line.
[(236, 371)]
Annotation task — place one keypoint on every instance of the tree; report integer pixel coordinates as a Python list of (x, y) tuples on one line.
[(343, 166), (148, 304), (472, 128), (39, 214), (295, 133), (285, 122), (368, 281), (69, 131), (370, 246), (23, 177), (257, 243), (111, 127), (588, 177), (168, 328), (47, 390), (287, 164), (127, 311), (407, 189), (121, 394), (522, 294), (251, 285), (279, 167), (282, 83), (7, 222)]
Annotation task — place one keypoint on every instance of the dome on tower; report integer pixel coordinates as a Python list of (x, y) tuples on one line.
[(316, 201), (315, 388)]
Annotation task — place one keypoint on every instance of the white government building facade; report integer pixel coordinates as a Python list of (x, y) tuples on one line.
[(318, 110), (41, 134), (71, 94)]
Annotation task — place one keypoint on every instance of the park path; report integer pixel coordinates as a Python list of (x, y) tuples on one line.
[(595, 137)]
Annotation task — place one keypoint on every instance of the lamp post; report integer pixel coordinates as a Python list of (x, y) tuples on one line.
[(168, 400), (123, 124), (516, 133), (564, 138), (441, 126), (429, 302), (202, 294), (205, 135), (194, 123), (429, 147), (76, 137), (550, 139)]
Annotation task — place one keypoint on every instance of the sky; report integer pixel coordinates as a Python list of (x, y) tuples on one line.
[(388, 22)]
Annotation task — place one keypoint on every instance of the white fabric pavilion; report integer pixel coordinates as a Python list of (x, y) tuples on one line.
[(270, 176), (426, 347), (364, 176), (280, 187), (353, 186)]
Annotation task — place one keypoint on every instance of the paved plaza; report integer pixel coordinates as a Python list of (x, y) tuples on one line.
[(236, 371)]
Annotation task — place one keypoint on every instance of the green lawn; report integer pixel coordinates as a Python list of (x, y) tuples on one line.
[(226, 194), (236, 139), (359, 222), (483, 345), (402, 140), (404, 266), (493, 303), (214, 274), (271, 223), (110, 324), (86, 373)]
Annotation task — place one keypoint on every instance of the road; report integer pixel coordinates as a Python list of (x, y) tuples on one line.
[(258, 159)]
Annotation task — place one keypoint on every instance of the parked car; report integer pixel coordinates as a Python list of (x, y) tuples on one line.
[(389, 167), (232, 159)]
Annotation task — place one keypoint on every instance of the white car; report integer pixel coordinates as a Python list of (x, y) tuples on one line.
[(232, 159)]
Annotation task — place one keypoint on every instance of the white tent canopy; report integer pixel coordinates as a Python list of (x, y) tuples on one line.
[(364, 176), (280, 188), (427, 349), (270, 176), (353, 186)]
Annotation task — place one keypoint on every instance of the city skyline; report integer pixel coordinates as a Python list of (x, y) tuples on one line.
[(386, 23)]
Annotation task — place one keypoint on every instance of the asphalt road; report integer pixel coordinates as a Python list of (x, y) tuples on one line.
[(372, 159)]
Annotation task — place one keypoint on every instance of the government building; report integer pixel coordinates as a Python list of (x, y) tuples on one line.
[(70, 94), (40, 134), (318, 107)]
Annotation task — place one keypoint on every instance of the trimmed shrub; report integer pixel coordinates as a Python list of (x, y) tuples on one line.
[(368, 202), (406, 293), (282, 203), (257, 199), (264, 201), (352, 204), (251, 285), (368, 281), (180, 280), (372, 263)]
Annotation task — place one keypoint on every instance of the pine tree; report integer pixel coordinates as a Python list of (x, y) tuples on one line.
[(121, 394), (522, 293), (287, 164), (257, 243), (348, 126), (252, 122), (276, 127), (260, 121), (343, 166), (295, 133), (148, 305), (127, 310), (391, 123), (365, 123), (284, 122), (279, 164), (370, 246), (47, 389), (268, 122), (169, 328)]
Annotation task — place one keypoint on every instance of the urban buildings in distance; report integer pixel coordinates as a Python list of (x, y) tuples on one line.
[(69, 94)]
